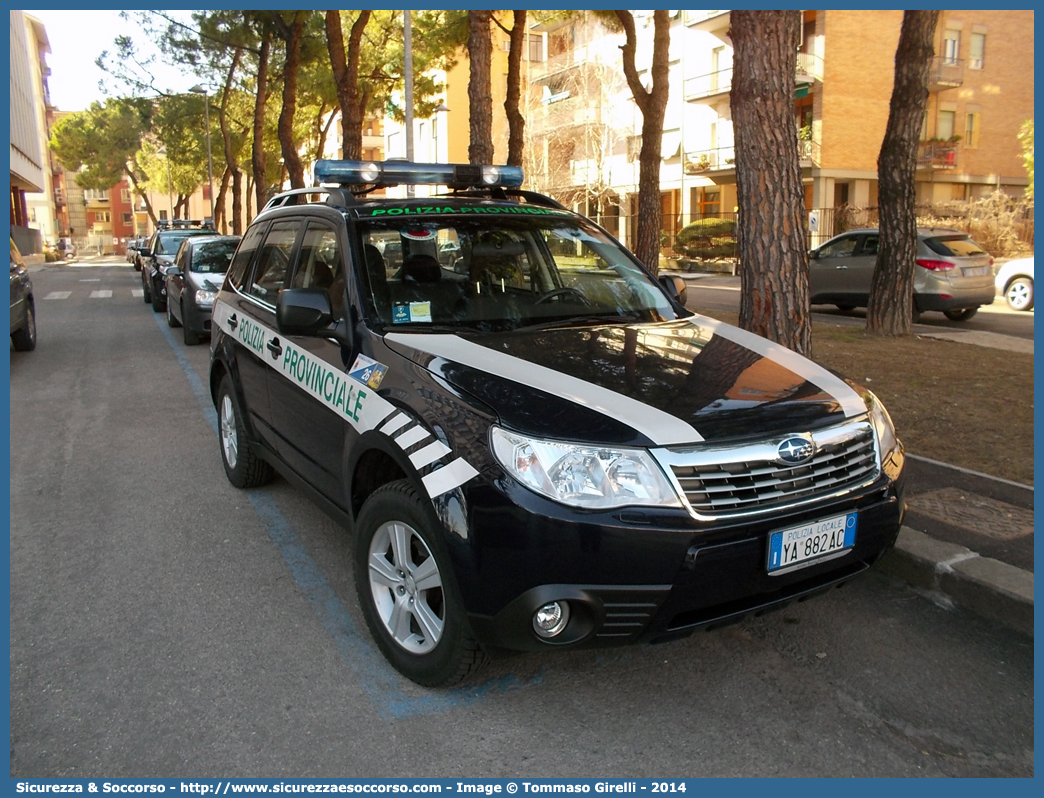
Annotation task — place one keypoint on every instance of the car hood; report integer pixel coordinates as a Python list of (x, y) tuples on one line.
[(668, 383)]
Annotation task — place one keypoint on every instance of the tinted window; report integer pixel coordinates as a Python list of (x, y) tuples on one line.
[(213, 257), (168, 243), (319, 264), (245, 255), (869, 245), (273, 261), (956, 246)]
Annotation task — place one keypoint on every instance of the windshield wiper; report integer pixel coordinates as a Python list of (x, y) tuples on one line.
[(581, 321)]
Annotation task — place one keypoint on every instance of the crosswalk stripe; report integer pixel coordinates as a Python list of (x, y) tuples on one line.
[(138, 292), (59, 295), (103, 294)]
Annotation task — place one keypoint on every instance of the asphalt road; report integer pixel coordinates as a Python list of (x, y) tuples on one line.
[(166, 624), (714, 293)]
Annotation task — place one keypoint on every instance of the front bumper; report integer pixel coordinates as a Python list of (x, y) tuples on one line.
[(638, 576)]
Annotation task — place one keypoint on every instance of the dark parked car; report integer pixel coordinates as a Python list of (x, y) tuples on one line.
[(23, 306), (193, 282), (158, 256), (952, 274), (543, 450)]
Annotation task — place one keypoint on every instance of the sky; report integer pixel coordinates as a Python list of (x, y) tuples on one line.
[(77, 38)]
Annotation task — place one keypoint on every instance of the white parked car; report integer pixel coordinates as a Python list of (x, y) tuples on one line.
[(1015, 281)]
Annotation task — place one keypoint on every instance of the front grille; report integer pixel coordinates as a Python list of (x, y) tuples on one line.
[(723, 481)]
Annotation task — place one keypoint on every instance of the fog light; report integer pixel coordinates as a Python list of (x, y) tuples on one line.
[(551, 619)]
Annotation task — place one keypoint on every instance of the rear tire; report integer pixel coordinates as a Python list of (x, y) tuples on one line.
[(844, 306), (1019, 294), (243, 468), (402, 578), (960, 314)]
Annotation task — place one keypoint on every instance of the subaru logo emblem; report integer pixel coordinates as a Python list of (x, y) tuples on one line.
[(795, 451)]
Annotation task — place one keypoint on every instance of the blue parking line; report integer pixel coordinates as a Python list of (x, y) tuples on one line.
[(379, 681)]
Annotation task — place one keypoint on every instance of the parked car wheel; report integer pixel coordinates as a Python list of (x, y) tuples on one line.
[(400, 575), (844, 306), (243, 467), (1019, 294), (24, 338), (960, 314), (171, 321)]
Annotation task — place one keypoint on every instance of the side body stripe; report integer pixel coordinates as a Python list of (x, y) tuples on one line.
[(363, 408)]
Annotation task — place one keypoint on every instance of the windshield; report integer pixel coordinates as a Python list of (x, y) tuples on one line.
[(501, 271), (168, 243), (213, 256)]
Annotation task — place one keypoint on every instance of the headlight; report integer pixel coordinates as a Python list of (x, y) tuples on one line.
[(204, 298), (883, 426), (581, 475)]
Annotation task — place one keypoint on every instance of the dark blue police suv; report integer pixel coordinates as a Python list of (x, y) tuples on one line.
[(534, 443)]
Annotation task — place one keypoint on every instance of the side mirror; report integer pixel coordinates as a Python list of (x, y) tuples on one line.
[(676, 288), (813, 254), (307, 312), (173, 271)]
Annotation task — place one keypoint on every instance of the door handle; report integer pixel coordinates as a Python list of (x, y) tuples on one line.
[(275, 348), (232, 321)]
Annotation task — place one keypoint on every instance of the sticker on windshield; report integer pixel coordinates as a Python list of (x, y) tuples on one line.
[(368, 372), (414, 311)]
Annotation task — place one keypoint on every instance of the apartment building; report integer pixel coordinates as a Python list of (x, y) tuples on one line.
[(583, 128)]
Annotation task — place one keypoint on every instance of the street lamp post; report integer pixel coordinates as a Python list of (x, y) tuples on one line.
[(210, 164), (435, 128)]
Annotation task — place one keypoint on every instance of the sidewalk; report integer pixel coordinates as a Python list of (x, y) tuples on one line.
[(967, 538)]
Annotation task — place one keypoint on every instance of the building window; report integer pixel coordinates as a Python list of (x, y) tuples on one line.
[(163, 215), (128, 218), (944, 130), (951, 45), (977, 54), (125, 196), (972, 124), (536, 47)]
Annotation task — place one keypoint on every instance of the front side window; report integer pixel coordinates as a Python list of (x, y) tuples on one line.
[(500, 271), (842, 248), (273, 261), (319, 264)]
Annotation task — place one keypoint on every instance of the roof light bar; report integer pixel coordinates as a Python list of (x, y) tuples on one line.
[(387, 173)]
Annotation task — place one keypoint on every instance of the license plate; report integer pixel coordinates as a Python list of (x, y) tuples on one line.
[(799, 546), (974, 271)]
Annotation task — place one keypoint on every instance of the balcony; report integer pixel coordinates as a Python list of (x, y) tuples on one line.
[(946, 73), (715, 160), (937, 155), (703, 88), (716, 22)]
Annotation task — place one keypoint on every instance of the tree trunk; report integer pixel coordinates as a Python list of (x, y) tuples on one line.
[(257, 155), (220, 220), (292, 38), (516, 122), (653, 105), (144, 197), (891, 307), (771, 230), (346, 77), (230, 159), (480, 92)]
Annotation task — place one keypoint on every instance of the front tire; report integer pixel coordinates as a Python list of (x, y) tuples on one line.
[(191, 338), (159, 302), (243, 467), (145, 292), (171, 321), (1019, 294), (960, 314), (401, 577), (24, 339)]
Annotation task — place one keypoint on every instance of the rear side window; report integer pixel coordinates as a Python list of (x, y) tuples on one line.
[(244, 256), (955, 246), (273, 261), (842, 248)]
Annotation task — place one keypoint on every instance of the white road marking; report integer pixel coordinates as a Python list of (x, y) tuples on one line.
[(103, 294), (138, 292), (91, 280), (59, 295)]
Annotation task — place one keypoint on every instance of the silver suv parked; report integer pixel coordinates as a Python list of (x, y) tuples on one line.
[(953, 274)]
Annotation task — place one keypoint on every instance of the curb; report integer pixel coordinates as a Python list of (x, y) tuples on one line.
[(987, 587)]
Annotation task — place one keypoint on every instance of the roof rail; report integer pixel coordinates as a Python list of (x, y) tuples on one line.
[(533, 197), (338, 197)]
